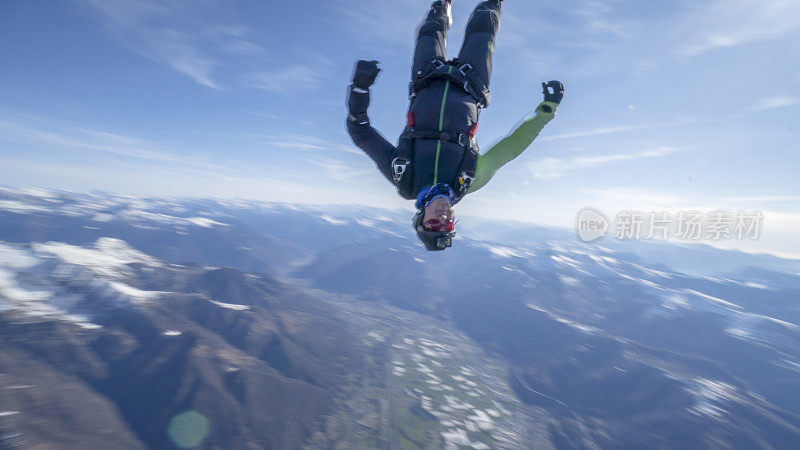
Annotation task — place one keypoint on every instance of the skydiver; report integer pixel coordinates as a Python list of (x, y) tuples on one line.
[(436, 161)]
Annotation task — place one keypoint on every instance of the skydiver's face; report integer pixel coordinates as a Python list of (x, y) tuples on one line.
[(438, 215)]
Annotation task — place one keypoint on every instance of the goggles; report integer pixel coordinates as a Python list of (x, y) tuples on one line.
[(438, 226)]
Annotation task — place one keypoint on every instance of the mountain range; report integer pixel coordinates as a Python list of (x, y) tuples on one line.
[(163, 323)]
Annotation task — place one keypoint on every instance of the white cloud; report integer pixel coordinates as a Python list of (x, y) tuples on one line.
[(292, 77), (549, 168), (54, 151), (781, 222), (764, 104), (296, 76), (297, 142), (728, 23), (52, 156), (614, 198), (339, 171), (37, 133), (562, 36), (176, 33), (601, 131), (385, 21), (582, 39), (776, 102), (176, 50), (265, 183), (266, 115), (764, 198), (306, 142)]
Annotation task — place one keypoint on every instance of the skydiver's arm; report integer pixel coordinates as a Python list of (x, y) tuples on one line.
[(512, 145), (361, 132)]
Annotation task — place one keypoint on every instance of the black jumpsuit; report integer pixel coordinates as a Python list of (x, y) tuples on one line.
[(441, 105)]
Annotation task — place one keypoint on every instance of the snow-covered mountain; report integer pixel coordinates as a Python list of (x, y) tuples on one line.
[(166, 322)]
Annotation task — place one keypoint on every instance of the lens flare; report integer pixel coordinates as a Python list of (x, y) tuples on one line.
[(188, 430)]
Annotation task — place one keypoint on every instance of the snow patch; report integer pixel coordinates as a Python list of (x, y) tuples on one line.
[(712, 395), (84, 323), (13, 292), (230, 306), (19, 207), (566, 261), (482, 420), (102, 217), (738, 332), (16, 258), (569, 281), (365, 223), (718, 301), (503, 252), (206, 223), (36, 303), (675, 301), (109, 258), (134, 293), (41, 194), (331, 220), (455, 438), (588, 329)]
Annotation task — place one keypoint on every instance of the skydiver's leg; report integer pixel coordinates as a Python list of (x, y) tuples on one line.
[(432, 36), (478, 47)]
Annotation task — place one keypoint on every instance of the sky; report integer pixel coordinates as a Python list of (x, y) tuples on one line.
[(669, 106)]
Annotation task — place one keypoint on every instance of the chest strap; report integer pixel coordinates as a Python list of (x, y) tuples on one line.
[(461, 139), (463, 76)]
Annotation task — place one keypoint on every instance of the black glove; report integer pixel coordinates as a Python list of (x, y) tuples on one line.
[(557, 91), (365, 73)]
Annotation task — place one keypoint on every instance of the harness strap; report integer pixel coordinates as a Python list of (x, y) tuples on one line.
[(403, 169), (463, 76), (461, 139), (466, 172)]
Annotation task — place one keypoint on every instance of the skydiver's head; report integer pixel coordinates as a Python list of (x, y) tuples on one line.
[(438, 215), (434, 219), (434, 238)]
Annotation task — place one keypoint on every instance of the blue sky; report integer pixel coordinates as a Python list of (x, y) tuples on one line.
[(669, 106)]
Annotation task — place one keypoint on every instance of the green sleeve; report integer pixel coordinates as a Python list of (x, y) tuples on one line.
[(512, 145)]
